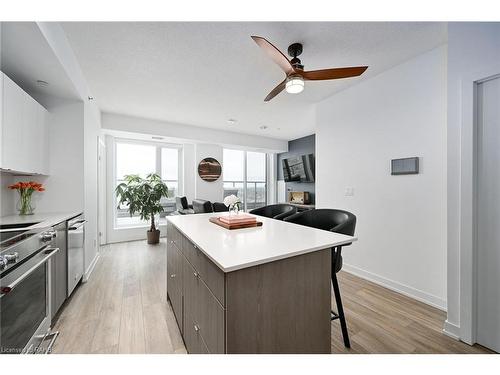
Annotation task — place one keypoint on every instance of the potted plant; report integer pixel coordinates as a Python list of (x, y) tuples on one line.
[(143, 195)]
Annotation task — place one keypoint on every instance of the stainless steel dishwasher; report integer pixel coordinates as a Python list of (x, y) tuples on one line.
[(76, 244)]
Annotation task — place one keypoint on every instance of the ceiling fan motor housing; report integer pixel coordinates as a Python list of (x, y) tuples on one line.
[(295, 50)]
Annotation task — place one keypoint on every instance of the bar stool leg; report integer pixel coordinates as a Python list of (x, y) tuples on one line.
[(340, 309)]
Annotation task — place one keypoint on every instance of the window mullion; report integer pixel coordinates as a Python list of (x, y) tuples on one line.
[(245, 180), (158, 161)]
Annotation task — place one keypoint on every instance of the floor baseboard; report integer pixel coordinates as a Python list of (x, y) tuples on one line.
[(86, 276), (408, 291), (451, 330)]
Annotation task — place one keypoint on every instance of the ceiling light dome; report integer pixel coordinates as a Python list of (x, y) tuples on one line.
[(294, 84)]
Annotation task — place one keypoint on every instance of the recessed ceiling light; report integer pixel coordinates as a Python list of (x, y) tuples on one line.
[(263, 127), (41, 83), (231, 121)]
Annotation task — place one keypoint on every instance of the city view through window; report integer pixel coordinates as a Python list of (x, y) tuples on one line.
[(252, 191)]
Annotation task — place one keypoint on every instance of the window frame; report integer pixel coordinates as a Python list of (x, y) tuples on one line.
[(245, 175), (158, 146)]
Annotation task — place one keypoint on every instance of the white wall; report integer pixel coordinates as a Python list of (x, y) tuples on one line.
[(57, 40), (472, 47), (8, 198), (401, 219), (212, 191)]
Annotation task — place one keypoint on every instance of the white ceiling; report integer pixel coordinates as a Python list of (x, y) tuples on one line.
[(205, 73), (26, 57)]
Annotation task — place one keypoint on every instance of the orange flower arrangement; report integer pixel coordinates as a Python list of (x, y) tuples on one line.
[(25, 190), (34, 186)]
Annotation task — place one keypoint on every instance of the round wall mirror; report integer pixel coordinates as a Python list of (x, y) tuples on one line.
[(209, 169)]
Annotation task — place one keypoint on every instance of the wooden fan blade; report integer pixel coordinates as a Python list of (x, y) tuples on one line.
[(276, 91), (275, 54), (335, 73)]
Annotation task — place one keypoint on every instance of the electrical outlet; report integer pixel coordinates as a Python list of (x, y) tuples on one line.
[(349, 191)]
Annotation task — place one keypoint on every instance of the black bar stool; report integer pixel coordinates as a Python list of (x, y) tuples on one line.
[(275, 211), (337, 221)]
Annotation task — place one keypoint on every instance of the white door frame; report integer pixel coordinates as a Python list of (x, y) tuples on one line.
[(101, 191), (468, 197)]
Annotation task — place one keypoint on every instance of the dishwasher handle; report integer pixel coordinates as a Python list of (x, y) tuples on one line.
[(77, 224)]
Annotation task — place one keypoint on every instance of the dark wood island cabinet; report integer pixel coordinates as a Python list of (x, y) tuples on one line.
[(275, 306)]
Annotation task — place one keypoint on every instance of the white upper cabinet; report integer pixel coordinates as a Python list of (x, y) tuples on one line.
[(24, 132)]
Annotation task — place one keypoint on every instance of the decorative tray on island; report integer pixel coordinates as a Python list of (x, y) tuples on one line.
[(238, 221)]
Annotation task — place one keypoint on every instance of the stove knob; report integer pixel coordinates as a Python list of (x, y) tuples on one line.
[(48, 236), (11, 257)]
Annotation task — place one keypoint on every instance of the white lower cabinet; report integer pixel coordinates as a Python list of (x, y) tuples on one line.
[(24, 135)]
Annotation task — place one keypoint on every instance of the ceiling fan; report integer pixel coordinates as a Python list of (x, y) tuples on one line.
[(294, 70)]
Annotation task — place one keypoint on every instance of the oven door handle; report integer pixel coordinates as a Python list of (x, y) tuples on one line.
[(6, 289)]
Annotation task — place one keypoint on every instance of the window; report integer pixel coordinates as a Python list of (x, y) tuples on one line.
[(256, 193), (245, 176), (170, 170), (143, 159)]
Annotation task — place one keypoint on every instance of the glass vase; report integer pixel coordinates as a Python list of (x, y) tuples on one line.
[(24, 205), (234, 209)]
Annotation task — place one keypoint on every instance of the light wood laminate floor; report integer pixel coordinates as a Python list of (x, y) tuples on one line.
[(123, 308)]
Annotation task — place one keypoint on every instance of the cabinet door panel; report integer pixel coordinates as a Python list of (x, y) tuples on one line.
[(210, 319), (209, 272), (192, 337), (204, 312), (174, 282), (174, 235), (31, 151), (25, 132), (191, 305), (13, 125)]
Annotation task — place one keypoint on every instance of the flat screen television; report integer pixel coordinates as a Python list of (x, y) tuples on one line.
[(299, 168)]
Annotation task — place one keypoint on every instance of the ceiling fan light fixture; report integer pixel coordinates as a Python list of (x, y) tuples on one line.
[(294, 84)]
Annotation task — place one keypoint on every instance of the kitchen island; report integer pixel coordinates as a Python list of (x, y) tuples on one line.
[(254, 290)]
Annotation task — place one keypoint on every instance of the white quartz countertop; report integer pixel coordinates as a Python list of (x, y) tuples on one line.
[(41, 219), (235, 249)]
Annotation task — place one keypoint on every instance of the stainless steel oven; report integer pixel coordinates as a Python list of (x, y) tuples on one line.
[(25, 292)]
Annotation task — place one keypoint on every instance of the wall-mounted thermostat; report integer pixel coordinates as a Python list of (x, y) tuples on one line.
[(404, 166)]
